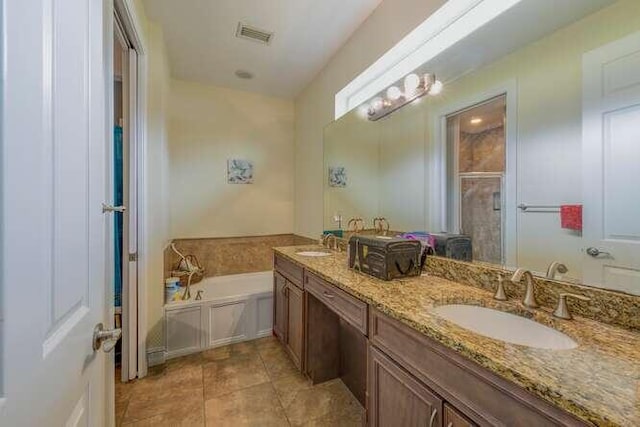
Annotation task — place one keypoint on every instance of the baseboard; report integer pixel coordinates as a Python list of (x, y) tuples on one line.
[(156, 356), (265, 333)]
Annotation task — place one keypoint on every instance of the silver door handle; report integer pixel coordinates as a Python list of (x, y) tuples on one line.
[(111, 208), (595, 252), (109, 337)]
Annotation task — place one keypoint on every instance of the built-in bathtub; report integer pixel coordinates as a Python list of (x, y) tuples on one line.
[(233, 308)]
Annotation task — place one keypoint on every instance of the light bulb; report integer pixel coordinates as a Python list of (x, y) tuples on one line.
[(411, 83), (377, 103), (394, 93), (475, 121), (363, 110), (436, 88)]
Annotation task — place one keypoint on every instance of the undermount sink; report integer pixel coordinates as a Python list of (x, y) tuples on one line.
[(313, 253), (505, 327)]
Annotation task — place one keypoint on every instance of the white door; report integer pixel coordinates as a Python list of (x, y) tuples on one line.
[(54, 148), (611, 165)]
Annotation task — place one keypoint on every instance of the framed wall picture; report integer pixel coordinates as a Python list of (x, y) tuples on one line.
[(337, 176), (239, 171)]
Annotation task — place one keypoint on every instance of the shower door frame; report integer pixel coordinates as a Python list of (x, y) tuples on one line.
[(442, 174)]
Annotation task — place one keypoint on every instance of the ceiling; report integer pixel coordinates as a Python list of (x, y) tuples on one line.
[(202, 46)]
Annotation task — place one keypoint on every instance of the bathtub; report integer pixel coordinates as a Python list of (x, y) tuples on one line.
[(233, 308)]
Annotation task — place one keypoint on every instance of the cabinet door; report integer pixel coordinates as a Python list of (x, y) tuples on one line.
[(396, 398), (295, 323), (280, 307), (453, 418)]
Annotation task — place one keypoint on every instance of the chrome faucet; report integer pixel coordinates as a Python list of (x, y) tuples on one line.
[(325, 241), (562, 310), (554, 267), (500, 294), (529, 297), (381, 225)]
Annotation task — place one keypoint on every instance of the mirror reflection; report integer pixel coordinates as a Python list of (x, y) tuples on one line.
[(531, 154)]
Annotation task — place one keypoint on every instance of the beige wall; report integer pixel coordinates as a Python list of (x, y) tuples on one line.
[(355, 145), (209, 125), (391, 21), (156, 161)]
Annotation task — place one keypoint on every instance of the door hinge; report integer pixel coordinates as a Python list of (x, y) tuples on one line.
[(133, 257)]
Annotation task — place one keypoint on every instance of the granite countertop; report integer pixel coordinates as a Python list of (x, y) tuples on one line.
[(599, 381)]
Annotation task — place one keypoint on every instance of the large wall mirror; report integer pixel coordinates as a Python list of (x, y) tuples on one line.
[(532, 149)]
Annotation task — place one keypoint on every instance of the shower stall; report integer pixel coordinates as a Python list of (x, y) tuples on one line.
[(476, 176)]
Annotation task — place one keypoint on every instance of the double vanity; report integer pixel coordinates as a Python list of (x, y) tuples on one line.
[(430, 351)]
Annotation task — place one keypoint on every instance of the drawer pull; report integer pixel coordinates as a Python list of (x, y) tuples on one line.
[(433, 417), (328, 295)]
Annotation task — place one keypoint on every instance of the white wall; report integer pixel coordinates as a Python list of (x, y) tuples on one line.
[(391, 21), (209, 125), (156, 161)]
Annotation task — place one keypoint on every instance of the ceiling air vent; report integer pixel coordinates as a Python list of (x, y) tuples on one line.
[(252, 33)]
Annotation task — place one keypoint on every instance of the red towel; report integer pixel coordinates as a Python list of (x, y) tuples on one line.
[(571, 217)]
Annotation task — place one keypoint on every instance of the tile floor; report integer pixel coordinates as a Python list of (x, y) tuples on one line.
[(252, 383)]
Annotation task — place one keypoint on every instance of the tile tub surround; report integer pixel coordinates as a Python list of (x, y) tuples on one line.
[(249, 383), (231, 255), (598, 382)]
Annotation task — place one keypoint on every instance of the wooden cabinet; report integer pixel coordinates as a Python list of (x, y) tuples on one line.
[(280, 307), (398, 399), (288, 316), (453, 418), (482, 396), (295, 324)]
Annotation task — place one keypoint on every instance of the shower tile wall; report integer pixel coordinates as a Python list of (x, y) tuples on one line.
[(231, 255), (482, 152), (481, 216)]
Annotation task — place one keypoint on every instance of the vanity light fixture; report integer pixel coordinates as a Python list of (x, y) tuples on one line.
[(393, 93), (414, 87)]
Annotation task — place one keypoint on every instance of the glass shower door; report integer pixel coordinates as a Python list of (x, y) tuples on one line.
[(481, 215)]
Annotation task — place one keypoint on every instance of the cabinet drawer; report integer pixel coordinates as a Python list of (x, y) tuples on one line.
[(290, 270), (483, 396), (344, 305)]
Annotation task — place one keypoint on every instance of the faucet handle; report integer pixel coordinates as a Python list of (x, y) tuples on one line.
[(562, 310), (500, 294)]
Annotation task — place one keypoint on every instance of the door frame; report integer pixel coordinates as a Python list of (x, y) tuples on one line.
[(437, 202), (131, 24)]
